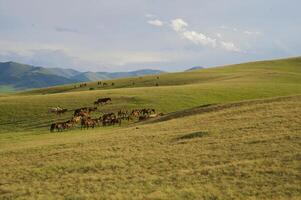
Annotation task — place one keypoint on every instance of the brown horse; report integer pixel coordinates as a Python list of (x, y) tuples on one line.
[(147, 111), (143, 117), (110, 119), (135, 113), (59, 126), (104, 100), (88, 122), (80, 111)]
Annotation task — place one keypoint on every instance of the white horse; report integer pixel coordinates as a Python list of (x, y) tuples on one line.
[(54, 109)]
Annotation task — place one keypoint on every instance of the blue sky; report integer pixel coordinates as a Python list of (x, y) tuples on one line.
[(172, 35)]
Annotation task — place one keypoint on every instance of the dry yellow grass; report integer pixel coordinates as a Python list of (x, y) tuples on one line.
[(247, 151)]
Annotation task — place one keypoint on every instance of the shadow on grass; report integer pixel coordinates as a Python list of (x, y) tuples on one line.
[(193, 135)]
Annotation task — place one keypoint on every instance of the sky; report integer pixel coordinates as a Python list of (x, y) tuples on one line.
[(124, 35)]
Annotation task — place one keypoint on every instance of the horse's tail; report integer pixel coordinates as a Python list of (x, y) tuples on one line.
[(52, 127)]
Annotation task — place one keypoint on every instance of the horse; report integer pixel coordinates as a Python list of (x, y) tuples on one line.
[(62, 111), (104, 100), (76, 119), (143, 117), (135, 113), (68, 124), (109, 115), (54, 109), (87, 122), (80, 111), (148, 111), (97, 121), (96, 103), (110, 119), (59, 126), (124, 115)]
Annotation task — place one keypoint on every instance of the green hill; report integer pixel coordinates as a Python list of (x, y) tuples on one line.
[(230, 132), (176, 91), (20, 76), (16, 76), (267, 72)]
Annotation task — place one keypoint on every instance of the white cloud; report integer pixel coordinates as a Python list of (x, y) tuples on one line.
[(246, 32), (155, 22), (229, 46), (199, 38), (178, 25)]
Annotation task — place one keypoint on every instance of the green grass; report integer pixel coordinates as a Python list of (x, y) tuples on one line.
[(228, 133), (276, 71), (6, 89), (28, 111)]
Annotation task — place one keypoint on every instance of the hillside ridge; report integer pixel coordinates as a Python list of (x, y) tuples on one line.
[(21, 76)]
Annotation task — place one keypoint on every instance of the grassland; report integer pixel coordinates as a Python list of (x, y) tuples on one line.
[(244, 145), (284, 71), (6, 89)]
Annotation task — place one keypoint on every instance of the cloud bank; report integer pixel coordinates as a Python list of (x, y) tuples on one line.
[(181, 27)]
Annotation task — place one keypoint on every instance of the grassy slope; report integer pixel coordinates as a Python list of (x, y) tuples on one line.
[(6, 89), (247, 150), (219, 85), (275, 71), (251, 150)]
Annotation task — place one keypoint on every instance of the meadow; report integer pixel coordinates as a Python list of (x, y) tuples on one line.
[(231, 132)]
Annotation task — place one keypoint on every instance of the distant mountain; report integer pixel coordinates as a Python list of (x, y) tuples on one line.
[(21, 76), (67, 73), (195, 68), (93, 76)]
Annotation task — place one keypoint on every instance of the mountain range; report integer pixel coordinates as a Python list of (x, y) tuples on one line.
[(21, 76), (195, 68)]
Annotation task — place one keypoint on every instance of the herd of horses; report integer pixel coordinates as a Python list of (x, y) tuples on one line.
[(99, 83), (82, 116)]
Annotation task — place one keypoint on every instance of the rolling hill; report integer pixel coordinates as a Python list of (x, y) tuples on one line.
[(16, 76), (21, 76), (230, 132), (195, 68), (94, 76), (283, 72)]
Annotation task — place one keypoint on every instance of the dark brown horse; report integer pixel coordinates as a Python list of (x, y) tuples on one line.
[(59, 126), (147, 111), (104, 100), (85, 111)]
